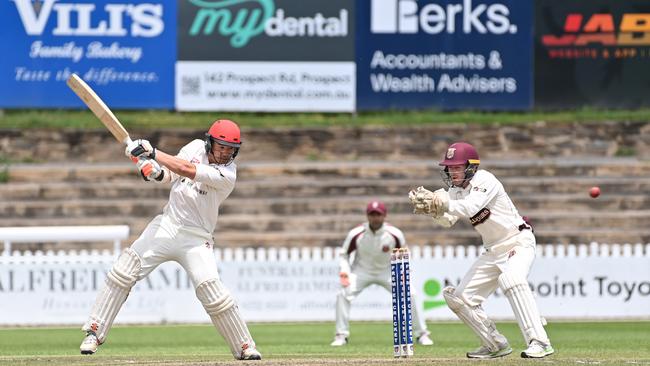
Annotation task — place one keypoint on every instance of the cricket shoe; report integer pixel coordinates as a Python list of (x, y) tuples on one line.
[(483, 352), (250, 353), (339, 340), (89, 344), (537, 349), (425, 340)]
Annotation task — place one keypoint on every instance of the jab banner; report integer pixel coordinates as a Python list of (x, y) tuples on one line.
[(124, 50), (592, 53), (447, 54)]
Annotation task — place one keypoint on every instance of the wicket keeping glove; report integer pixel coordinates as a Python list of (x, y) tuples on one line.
[(422, 200), (140, 148)]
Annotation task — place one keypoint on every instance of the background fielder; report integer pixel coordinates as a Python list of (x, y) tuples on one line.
[(371, 245), (203, 175), (509, 244)]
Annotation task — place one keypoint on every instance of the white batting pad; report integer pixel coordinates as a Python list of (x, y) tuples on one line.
[(516, 289), (476, 318), (119, 282), (225, 316)]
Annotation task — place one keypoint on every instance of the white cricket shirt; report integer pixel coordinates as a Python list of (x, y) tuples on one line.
[(488, 207), (194, 204), (371, 249)]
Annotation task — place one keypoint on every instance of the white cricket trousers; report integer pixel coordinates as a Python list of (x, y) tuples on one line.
[(359, 282), (164, 240), (514, 255)]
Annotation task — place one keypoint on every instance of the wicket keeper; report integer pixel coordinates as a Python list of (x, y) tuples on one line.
[(478, 196)]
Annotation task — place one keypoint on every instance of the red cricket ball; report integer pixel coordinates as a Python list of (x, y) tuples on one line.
[(594, 192)]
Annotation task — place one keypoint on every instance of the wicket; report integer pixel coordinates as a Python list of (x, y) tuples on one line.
[(400, 274)]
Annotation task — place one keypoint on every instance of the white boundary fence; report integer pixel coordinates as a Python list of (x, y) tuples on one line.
[(36, 234), (594, 281)]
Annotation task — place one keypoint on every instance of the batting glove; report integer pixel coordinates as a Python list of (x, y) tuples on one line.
[(140, 148), (149, 169)]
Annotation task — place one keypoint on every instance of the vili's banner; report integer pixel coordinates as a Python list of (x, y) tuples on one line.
[(448, 54), (124, 51)]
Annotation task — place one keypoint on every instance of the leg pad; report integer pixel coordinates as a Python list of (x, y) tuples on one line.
[(119, 281), (225, 316), (476, 319), (518, 292)]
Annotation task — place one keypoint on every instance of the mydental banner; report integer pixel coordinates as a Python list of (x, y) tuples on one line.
[(125, 50), (266, 55), (594, 53), (61, 289), (447, 54)]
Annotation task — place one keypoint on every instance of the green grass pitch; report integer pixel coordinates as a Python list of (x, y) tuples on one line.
[(576, 343)]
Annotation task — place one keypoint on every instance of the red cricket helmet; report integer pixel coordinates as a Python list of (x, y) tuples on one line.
[(223, 132), (460, 153)]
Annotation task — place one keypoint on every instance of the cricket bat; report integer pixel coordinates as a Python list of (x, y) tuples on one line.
[(99, 108)]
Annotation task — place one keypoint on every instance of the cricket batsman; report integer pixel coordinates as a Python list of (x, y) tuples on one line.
[(371, 244), (478, 196), (202, 176)]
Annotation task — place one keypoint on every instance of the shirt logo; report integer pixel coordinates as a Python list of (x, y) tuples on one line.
[(480, 217), (385, 249), (511, 254), (479, 189), (450, 152)]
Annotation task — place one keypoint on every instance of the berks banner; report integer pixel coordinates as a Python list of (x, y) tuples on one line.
[(448, 54)]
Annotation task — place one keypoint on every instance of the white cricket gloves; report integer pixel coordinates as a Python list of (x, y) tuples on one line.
[(425, 202), (150, 169), (140, 147)]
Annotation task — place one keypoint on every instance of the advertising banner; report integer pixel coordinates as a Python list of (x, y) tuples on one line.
[(266, 55), (448, 54), (62, 292), (594, 53), (124, 51)]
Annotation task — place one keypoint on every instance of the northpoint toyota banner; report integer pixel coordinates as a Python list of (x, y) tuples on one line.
[(125, 51), (62, 290), (448, 54)]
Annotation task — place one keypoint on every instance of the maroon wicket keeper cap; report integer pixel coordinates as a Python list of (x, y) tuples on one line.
[(376, 206)]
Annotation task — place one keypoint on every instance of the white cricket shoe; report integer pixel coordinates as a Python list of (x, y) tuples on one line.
[(89, 344), (483, 352), (250, 354), (425, 340), (537, 349), (339, 340)]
